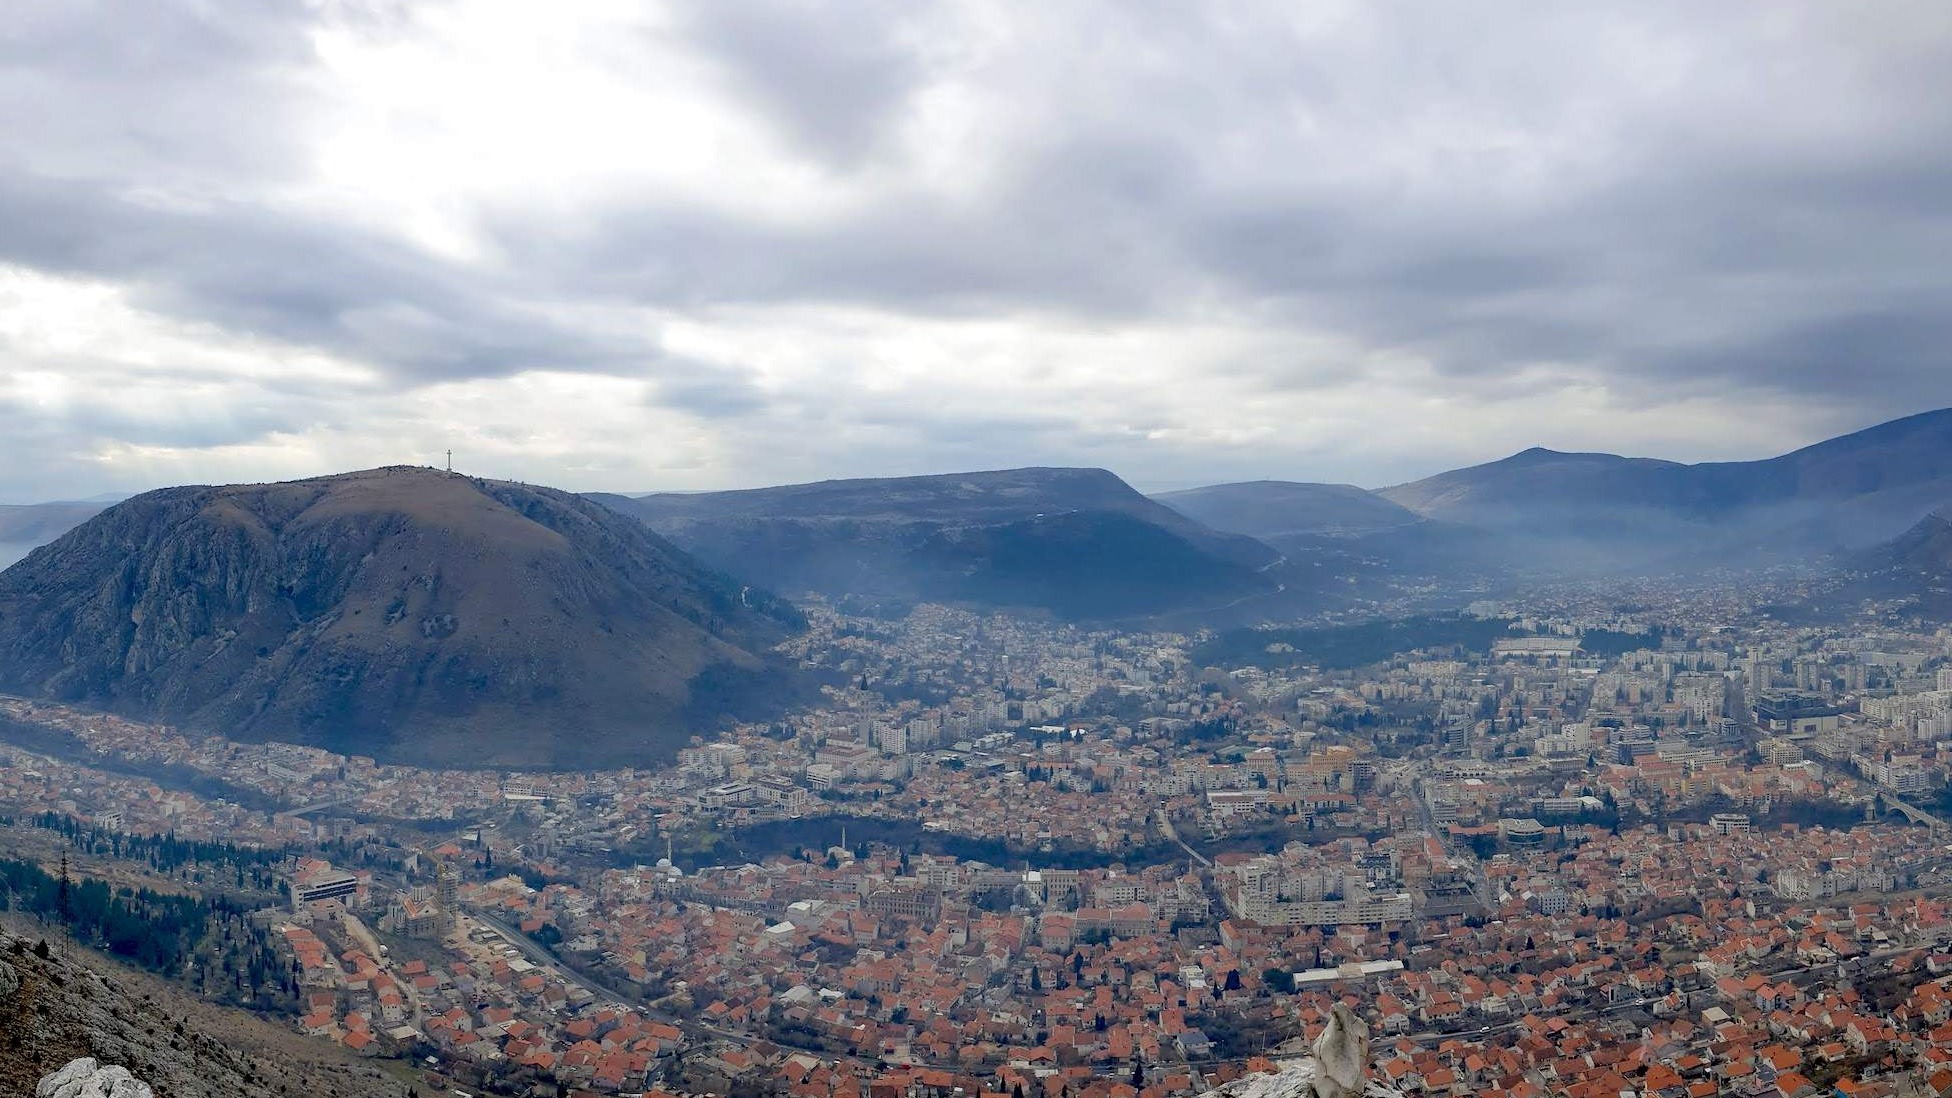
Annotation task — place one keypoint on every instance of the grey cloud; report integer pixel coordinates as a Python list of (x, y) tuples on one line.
[(315, 283), (1906, 351), (834, 75), (160, 96), (1734, 244), (707, 391), (1487, 190)]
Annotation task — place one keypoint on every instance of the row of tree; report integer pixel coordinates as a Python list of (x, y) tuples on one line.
[(155, 930), (247, 867)]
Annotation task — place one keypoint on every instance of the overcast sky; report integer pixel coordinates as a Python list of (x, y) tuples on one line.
[(715, 244)]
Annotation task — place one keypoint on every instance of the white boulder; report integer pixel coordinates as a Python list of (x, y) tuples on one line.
[(84, 1078), (1342, 1051), (1338, 1069)]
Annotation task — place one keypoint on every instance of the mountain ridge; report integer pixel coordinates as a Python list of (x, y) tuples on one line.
[(1078, 542), (1818, 468), (1540, 509), (1851, 490)]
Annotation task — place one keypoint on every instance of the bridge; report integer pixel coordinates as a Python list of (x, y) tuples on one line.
[(1917, 815), (1166, 826)]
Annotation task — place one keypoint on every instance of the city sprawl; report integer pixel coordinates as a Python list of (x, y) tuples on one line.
[(1655, 844)]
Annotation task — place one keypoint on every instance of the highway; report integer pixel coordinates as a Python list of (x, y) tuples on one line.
[(543, 958)]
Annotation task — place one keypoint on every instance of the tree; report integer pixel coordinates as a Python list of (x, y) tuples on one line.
[(1138, 1073)]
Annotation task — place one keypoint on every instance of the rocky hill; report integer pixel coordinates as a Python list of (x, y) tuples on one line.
[(401, 613), (1914, 568), (1926, 548), (1014, 537), (57, 1009)]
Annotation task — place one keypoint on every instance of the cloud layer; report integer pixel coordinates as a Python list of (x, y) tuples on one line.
[(733, 243)]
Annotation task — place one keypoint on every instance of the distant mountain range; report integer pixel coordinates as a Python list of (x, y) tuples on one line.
[(1083, 544), (24, 526), (1277, 511), (1850, 491), (38, 523), (420, 616), (1079, 542), (1601, 513), (401, 613)]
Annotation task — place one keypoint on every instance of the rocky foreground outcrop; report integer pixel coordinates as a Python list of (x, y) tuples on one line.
[(73, 1025), (84, 1078), (1338, 1069)]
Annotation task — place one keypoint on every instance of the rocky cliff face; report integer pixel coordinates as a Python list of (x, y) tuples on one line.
[(401, 613)]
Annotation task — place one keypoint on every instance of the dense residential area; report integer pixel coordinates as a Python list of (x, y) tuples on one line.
[(1703, 856)]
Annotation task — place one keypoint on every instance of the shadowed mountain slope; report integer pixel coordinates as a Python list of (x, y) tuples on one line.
[(1079, 542), (1915, 567)]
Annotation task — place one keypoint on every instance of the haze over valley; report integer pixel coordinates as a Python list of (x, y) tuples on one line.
[(975, 550)]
